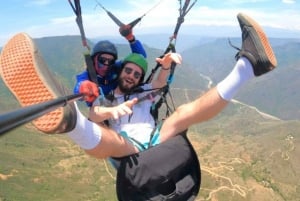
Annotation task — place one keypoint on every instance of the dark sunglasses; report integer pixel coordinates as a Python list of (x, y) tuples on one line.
[(136, 74), (106, 61)]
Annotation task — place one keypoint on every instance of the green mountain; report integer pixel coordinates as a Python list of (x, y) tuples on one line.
[(274, 93), (244, 154)]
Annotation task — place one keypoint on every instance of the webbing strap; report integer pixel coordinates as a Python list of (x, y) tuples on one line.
[(118, 22), (89, 63), (90, 68), (157, 127), (153, 94), (182, 12), (77, 10), (114, 18), (171, 47)]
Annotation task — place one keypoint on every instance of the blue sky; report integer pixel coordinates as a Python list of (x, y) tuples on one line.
[(40, 18)]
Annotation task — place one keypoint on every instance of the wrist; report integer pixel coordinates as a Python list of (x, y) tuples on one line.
[(164, 68), (130, 38)]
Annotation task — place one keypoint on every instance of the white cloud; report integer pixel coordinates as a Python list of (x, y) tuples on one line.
[(158, 16), (289, 1)]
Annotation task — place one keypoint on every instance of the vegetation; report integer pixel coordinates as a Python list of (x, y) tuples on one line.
[(36, 166), (243, 155)]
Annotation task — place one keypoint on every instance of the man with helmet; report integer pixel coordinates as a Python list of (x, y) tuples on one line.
[(104, 57), (137, 125), (254, 58), (131, 126), (130, 122)]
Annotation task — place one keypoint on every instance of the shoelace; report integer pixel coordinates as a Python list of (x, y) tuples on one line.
[(235, 47)]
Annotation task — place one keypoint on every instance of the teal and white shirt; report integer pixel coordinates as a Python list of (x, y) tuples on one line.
[(140, 124)]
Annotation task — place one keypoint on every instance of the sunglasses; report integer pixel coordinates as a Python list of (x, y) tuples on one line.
[(106, 61), (136, 74)]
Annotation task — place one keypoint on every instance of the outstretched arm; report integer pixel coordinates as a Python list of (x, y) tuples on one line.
[(100, 113), (166, 62), (135, 45)]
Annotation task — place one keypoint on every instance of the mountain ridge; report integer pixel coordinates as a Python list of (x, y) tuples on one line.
[(213, 58), (243, 155)]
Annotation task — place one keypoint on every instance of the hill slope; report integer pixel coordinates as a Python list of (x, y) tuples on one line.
[(275, 93), (243, 155)]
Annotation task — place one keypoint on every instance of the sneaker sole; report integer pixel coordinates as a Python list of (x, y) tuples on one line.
[(18, 67), (267, 49)]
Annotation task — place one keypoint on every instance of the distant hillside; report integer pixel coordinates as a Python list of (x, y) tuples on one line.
[(275, 93), (243, 154), (64, 56)]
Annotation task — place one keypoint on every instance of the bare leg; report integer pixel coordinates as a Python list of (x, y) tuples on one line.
[(202, 109), (255, 58), (111, 145), (21, 53), (98, 140)]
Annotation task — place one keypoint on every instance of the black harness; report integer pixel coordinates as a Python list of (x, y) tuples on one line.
[(148, 176), (169, 171)]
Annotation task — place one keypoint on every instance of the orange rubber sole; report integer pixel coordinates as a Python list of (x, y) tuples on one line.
[(18, 68), (264, 40)]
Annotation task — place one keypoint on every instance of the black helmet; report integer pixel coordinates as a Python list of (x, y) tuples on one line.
[(104, 46)]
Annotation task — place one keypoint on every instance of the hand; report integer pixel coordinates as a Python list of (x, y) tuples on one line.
[(124, 108), (90, 90), (126, 31), (167, 60)]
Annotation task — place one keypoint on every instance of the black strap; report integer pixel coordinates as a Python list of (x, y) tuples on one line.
[(88, 60), (171, 47), (138, 142), (77, 10), (118, 22), (114, 18), (90, 68), (157, 127), (182, 12)]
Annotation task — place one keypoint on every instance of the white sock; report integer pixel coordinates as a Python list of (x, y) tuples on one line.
[(240, 74), (86, 133)]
